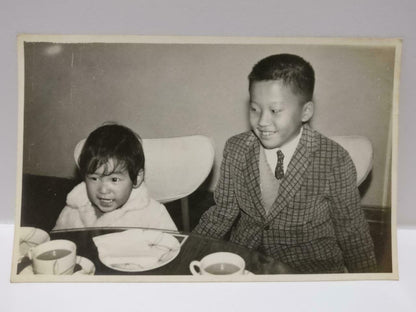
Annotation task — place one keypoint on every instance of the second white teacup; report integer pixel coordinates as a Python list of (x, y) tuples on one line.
[(56, 257), (219, 263)]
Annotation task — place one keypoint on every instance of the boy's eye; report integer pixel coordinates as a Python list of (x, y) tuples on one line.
[(92, 178), (115, 179), (276, 111), (253, 109)]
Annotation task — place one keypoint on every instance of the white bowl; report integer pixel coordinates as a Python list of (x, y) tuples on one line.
[(30, 237)]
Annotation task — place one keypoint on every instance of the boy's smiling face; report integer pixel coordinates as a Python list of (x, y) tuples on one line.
[(276, 112), (109, 187)]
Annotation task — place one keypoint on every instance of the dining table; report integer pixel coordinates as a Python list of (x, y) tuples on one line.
[(192, 247)]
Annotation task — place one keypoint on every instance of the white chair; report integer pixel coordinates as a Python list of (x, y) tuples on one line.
[(174, 167), (361, 152)]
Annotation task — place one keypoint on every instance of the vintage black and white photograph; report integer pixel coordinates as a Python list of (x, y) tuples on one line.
[(206, 159)]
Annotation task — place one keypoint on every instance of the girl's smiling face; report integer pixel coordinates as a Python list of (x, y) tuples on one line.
[(276, 113), (109, 187)]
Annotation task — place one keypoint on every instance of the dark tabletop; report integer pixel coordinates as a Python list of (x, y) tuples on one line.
[(195, 247)]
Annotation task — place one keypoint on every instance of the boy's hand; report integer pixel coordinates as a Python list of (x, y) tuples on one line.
[(262, 264)]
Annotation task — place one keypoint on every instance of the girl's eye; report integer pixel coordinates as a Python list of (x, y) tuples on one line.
[(114, 179), (276, 111), (93, 178)]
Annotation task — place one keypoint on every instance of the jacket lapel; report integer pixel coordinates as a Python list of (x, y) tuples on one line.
[(252, 178), (294, 176)]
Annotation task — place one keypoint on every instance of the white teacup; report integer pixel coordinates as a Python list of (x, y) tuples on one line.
[(219, 263), (56, 257)]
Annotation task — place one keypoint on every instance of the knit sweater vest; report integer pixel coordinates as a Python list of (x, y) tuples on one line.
[(269, 185)]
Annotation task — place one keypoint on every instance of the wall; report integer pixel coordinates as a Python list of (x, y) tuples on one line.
[(172, 90)]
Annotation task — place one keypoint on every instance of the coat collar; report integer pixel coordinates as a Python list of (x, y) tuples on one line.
[(292, 181), (252, 175), (295, 174)]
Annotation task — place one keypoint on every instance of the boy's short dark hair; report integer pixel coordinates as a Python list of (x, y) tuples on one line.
[(116, 142), (290, 69)]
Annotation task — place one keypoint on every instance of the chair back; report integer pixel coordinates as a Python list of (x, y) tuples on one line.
[(174, 167), (361, 152)]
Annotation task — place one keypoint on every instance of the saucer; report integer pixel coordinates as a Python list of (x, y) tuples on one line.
[(247, 272), (86, 267)]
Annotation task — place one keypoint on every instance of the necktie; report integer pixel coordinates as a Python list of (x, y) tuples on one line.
[(278, 172)]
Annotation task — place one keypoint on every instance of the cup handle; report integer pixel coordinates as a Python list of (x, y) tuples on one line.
[(29, 254), (192, 266)]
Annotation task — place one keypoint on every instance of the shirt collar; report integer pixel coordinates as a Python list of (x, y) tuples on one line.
[(287, 149)]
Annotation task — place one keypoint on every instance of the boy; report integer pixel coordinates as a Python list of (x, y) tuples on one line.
[(284, 188), (113, 193)]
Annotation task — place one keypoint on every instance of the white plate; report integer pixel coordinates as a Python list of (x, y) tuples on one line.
[(30, 237), (137, 250), (87, 267)]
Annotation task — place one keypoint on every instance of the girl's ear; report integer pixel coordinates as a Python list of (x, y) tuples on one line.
[(140, 179), (307, 111)]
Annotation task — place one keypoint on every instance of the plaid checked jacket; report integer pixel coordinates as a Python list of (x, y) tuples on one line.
[(316, 224)]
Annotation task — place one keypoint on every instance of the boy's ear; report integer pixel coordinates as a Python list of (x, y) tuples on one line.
[(307, 111), (140, 179)]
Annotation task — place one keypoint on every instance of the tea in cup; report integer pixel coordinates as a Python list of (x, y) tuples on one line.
[(57, 257), (219, 263)]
